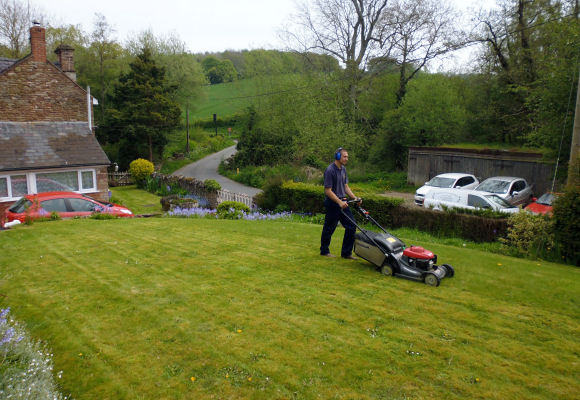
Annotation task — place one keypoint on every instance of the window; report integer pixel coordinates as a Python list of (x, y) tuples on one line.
[(54, 205), (518, 186), (3, 187), (19, 185), (87, 180), (57, 182), (477, 202), (466, 180), (14, 186), (81, 205)]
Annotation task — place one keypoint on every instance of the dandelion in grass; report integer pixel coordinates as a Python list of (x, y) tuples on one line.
[(192, 378), (499, 264), (239, 331), (249, 379)]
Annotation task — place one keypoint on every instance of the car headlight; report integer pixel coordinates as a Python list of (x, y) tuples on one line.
[(127, 212)]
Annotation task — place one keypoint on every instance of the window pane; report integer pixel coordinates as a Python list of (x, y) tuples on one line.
[(3, 187), (19, 185), (57, 181), (87, 177), (81, 205), (54, 205)]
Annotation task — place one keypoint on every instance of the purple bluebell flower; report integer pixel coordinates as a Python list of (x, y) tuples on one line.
[(8, 335)]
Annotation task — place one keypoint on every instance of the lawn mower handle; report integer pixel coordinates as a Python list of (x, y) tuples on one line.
[(365, 213)]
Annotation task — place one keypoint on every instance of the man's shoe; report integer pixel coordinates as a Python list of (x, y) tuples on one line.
[(328, 255), (351, 257)]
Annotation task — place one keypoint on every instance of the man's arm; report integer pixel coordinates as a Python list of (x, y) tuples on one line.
[(328, 192)]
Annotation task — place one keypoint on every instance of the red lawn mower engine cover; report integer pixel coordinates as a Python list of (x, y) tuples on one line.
[(424, 259)]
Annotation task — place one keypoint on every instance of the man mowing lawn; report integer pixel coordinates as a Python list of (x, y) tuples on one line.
[(336, 189)]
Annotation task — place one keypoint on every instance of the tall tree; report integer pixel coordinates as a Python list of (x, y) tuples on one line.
[(16, 18), (142, 111), (422, 31), (353, 31), (530, 60)]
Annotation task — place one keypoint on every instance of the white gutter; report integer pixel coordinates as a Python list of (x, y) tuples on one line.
[(89, 107)]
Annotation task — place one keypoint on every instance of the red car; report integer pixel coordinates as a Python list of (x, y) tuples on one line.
[(66, 204), (544, 204)]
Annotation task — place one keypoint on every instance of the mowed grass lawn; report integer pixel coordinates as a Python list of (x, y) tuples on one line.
[(219, 309)]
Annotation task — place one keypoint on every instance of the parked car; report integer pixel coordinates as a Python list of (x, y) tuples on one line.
[(544, 204), (450, 180), (438, 199), (514, 190), (66, 204)]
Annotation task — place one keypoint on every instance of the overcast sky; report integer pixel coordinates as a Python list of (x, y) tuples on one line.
[(213, 26)]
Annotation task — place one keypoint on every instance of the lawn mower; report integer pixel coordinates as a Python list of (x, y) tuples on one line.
[(390, 256)]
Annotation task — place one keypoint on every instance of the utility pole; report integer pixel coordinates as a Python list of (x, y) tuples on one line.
[(574, 163)]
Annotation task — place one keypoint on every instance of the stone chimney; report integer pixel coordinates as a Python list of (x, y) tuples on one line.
[(38, 43), (66, 59)]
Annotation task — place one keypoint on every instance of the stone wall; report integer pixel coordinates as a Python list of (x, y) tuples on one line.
[(426, 162)]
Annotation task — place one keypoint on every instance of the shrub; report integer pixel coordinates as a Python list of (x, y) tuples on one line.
[(232, 210), (140, 170), (567, 225), (212, 185), (25, 365), (528, 234)]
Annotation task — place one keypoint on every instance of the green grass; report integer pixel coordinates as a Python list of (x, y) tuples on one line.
[(138, 201), (226, 98), (133, 309)]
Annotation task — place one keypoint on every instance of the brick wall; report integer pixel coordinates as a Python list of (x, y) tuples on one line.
[(38, 91)]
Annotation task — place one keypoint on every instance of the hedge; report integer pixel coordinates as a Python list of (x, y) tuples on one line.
[(389, 212)]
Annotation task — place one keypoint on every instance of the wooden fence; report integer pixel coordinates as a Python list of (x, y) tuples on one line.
[(120, 178)]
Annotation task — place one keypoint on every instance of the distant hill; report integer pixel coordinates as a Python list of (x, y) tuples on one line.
[(225, 99)]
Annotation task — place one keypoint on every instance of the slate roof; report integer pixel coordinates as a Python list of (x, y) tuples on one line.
[(6, 63), (41, 145)]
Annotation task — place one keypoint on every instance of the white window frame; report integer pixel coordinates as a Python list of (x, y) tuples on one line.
[(31, 181)]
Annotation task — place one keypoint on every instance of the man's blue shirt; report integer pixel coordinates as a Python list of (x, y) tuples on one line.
[(335, 178)]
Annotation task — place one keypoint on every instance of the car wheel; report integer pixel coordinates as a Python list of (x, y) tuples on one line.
[(431, 279)]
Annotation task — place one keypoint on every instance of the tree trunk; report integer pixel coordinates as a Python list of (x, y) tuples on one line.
[(150, 138)]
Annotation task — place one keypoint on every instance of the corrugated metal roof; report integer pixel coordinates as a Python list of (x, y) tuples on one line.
[(38, 145)]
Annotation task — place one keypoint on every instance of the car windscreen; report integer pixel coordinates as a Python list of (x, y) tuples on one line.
[(494, 186), (546, 199), (441, 182), (499, 201), (20, 206)]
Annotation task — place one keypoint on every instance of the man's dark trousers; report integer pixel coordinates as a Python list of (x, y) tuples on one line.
[(333, 215)]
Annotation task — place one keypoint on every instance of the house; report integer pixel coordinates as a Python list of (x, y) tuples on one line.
[(46, 138)]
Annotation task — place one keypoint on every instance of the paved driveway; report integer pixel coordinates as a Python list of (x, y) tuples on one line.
[(207, 167)]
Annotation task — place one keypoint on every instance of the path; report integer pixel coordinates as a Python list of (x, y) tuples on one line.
[(207, 168)]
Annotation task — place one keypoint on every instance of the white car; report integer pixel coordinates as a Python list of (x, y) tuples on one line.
[(438, 199), (450, 180), (515, 191)]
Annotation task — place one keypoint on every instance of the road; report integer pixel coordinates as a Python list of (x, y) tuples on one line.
[(207, 167)]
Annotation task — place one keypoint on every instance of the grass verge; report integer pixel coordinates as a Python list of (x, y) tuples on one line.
[(198, 308)]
